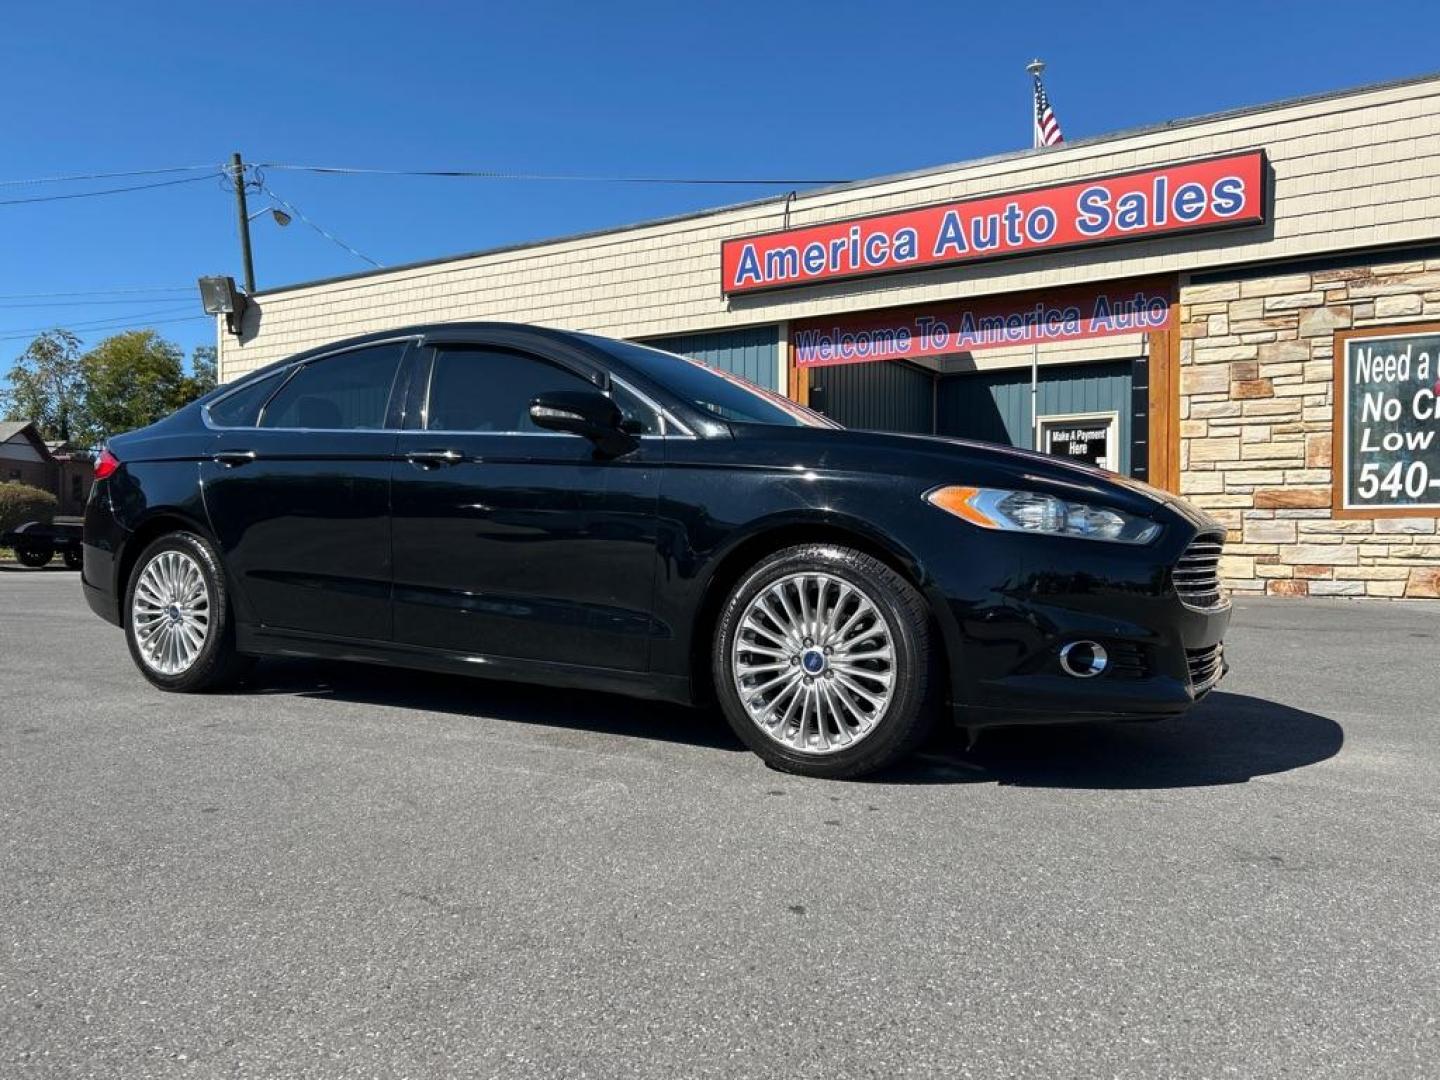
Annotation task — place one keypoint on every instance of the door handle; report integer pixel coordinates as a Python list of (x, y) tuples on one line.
[(231, 458), (431, 459)]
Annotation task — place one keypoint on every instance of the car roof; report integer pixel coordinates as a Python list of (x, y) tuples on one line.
[(454, 331)]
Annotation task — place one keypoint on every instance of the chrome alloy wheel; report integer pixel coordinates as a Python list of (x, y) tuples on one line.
[(814, 663), (170, 612)]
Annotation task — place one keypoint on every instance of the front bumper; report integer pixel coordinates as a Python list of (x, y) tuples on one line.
[(1004, 645), (1156, 670)]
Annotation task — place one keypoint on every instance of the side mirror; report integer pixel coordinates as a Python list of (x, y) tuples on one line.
[(588, 413)]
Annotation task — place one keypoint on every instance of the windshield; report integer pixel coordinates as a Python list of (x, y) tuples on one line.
[(726, 396)]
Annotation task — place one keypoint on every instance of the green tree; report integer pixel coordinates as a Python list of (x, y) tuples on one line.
[(47, 386), (131, 380), (203, 370)]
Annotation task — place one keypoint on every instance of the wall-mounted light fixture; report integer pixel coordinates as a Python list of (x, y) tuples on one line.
[(219, 296)]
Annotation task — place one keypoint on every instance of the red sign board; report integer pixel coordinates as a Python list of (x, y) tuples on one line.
[(1072, 314), (1214, 193)]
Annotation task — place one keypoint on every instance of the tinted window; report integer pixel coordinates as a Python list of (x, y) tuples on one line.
[(717, 392), (242, 407), (347, 391), (640, 418), (481, 389)]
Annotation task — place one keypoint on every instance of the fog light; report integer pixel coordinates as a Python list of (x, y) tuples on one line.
[(1084, 659)]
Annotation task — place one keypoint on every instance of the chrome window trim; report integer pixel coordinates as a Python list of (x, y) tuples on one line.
[(667, 419)]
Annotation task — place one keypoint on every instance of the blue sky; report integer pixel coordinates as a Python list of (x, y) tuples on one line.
[(832, 89)]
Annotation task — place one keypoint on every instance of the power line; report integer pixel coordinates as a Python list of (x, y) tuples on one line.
[(108, 175), (472, 174), (100, 291), (20, 335), (103, 191), (100, 324), (328, 236), (480, 174), (86, 303)]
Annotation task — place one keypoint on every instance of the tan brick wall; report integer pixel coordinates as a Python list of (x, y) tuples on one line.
[(1256, 375), (1333, 191)]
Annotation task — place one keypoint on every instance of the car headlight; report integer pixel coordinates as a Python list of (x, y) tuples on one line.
[(1034, 512)]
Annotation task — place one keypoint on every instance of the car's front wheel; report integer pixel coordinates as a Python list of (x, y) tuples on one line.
[(178, 621), (822, 662)]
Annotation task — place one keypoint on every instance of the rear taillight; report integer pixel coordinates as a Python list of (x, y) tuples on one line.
[(105, 464)]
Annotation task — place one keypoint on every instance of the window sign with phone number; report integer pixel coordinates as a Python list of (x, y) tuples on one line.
[(1387, 421)]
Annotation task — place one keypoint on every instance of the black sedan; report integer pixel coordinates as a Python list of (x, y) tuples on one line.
[(553, 507)]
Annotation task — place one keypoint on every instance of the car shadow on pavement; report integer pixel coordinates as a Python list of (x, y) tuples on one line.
[(1226, 739), (458, 695)]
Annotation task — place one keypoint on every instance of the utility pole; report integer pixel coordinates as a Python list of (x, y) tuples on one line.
[(1035, 67), (237, 176)]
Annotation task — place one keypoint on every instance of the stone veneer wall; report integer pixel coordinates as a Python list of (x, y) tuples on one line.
[(1256, 373)]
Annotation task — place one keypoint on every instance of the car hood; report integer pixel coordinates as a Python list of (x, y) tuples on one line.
[(940, 459)]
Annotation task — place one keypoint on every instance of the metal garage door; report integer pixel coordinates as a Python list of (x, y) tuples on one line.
[(995, 406), (887, 396), (753, 352)]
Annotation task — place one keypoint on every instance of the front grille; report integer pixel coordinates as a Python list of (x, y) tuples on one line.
[(1206, 667), (1197, 574)]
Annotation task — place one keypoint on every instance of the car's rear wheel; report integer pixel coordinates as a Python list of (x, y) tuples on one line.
[(74, 558), (822, 662), (34, 555), (178, 620)]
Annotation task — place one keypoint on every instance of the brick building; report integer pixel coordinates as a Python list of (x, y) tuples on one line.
[(1173, 303)]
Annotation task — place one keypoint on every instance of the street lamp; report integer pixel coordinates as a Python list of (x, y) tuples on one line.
[(281, 217)]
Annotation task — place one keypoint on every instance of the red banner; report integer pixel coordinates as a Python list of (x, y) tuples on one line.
[(995, 322), (1210, 194)]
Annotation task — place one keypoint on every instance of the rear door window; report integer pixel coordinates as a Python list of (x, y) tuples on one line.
[(241, 408), (346, 392)]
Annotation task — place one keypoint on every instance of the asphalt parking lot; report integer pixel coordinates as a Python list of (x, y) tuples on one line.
[(353, 872)]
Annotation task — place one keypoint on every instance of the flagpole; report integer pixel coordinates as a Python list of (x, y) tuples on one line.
[(1035, 67)]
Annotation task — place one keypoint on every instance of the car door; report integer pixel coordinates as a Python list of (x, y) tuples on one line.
[(514, 542), (300, 499)]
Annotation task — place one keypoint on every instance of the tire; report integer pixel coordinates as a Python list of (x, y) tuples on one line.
[(831, 714), (34, 556), (187, 591), (74, 558)]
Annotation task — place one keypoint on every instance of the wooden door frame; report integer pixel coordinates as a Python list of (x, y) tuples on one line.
[(1164, 400)]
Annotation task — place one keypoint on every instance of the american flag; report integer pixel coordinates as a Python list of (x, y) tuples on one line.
[(1047, 128)]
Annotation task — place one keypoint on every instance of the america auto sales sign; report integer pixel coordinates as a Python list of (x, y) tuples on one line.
[(1213, 193)]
